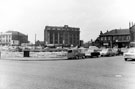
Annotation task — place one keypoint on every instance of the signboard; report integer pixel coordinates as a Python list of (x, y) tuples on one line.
[(106, 44)]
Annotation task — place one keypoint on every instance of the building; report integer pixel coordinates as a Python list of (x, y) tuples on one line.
[(66, 36), (39, 43), (115, 38), (81, 43), (13, 38)]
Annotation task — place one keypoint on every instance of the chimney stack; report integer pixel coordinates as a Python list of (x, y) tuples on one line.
[(129, 24), (132, 24)]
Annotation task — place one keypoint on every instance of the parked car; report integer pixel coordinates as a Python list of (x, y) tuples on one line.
[(75, 54), (130, 54), (92, 51), (124, 50), (117, 51), (107, 52)]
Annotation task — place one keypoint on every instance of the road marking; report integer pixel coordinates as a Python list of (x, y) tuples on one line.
[(118, 75)]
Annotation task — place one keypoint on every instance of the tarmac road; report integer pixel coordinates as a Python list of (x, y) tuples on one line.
[(92, 73)]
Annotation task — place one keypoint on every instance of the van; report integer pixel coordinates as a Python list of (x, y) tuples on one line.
[(75, 54)]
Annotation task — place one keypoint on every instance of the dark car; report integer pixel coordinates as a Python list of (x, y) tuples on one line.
[(92, 52)]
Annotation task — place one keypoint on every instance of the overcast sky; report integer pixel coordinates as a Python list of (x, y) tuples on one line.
[(91, 16)]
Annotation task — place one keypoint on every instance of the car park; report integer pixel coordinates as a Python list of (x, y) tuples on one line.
[(130, 54)]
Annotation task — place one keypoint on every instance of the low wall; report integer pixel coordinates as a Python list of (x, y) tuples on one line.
[(34, 54), (48, 54)]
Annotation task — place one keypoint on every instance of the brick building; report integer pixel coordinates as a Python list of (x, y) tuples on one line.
[(13, 38), (62, 35), (116, 37)]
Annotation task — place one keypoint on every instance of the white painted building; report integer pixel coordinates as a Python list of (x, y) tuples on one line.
[(5, 38), (13, 38)]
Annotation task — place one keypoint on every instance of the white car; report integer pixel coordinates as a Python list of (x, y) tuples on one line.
[(130, 54), (107, 52)]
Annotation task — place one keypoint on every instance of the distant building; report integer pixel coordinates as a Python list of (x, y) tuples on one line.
[(67, 36), (115, 38), (13, 38), (81, 43), (39, 43)]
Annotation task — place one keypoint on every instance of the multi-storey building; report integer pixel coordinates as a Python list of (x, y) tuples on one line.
[(13, 38), (62, 35)]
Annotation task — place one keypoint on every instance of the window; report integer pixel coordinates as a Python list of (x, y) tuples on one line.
[(51, 38), (101, 38), (114, 38), (128, 37), (105, 38), (53, 28), (125, 38), (120, 38), (109, 38)]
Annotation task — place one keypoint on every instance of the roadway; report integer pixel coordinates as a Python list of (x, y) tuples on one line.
[(92, 73)]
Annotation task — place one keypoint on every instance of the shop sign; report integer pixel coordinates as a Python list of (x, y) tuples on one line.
[(105, 44)]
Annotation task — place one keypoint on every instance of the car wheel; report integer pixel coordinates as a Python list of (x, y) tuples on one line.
[(125, 59)]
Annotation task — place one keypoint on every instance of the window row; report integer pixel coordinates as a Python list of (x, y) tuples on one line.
[(3, 41), (5, 36), (114, 38)]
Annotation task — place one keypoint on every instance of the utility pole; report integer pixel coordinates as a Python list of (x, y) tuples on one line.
[(35, 40)]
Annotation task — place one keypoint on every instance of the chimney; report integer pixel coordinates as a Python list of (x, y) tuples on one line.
[(101, 32), (66, 26), (129, 25)]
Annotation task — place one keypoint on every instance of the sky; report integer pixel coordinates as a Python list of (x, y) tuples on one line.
[(91, 16)]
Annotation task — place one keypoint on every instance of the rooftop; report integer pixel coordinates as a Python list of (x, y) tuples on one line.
[(61, 27), (15, 32), (117, 32)]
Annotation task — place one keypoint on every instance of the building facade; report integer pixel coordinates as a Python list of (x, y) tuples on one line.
[(62, 35), (13, 38), (115, 38)]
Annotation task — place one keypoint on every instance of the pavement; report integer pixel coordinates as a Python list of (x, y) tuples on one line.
[(91, 73), (33, 59)]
